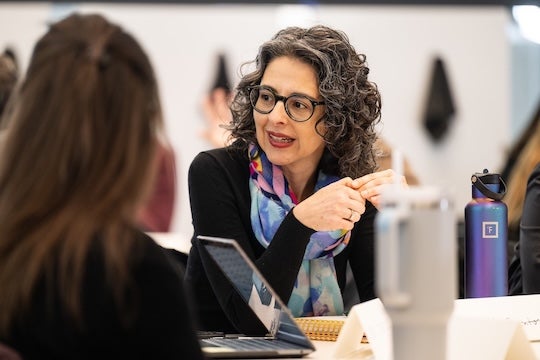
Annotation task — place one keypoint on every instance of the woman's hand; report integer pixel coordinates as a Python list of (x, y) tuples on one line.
[(371, 186), (336, 206)]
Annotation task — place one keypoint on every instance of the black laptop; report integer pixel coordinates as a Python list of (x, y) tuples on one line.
[(284, 338)]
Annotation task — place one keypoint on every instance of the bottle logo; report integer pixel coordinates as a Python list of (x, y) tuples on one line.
[(490, 229)]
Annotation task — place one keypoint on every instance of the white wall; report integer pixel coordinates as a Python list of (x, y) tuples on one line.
[(400, 43)]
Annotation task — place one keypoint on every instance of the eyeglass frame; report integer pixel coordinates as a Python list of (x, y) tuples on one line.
[(284, 99)]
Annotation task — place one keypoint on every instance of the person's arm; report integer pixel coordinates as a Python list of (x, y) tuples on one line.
[(220, 206), (529, 237), (362, 255)]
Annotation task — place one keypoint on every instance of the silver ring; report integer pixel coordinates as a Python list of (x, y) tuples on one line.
[(352, 214)]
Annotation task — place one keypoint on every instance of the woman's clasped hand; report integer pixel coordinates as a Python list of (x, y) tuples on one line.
[(341, 204), (335, 206), (372, 185)]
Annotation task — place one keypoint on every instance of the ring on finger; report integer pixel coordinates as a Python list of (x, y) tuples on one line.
[(352, 215)]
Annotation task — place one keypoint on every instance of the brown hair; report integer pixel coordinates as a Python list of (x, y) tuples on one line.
[(78, 160), (517, 182)]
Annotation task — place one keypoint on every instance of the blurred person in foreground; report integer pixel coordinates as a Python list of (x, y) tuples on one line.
[(296, 187), (78, 280)]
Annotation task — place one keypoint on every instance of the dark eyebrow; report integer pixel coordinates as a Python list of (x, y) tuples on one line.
[(293, 94)]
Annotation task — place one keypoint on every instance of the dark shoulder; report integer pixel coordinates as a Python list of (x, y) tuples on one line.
[(142, 253), (224, 155), (147, 253), (135, 240), (231, 159)]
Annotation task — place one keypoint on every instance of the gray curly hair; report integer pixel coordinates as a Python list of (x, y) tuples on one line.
[(353, 104)]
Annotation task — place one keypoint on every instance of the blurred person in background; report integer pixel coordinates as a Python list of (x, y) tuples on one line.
[(527, 255), (521, 161), (523, 212)]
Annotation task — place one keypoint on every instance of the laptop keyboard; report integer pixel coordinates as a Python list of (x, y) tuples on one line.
[(251, 344)]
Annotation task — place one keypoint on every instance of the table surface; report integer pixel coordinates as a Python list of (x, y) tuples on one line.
[(325, 349)]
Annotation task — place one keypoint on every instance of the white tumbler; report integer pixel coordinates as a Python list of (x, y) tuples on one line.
[(416, 269)]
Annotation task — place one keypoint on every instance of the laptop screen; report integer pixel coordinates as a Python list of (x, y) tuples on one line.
[(254, 289)]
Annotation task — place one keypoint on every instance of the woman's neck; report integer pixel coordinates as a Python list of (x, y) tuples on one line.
[(302, 183)]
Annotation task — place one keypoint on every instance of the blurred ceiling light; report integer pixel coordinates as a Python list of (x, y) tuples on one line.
[(528, 19), (296, 15)]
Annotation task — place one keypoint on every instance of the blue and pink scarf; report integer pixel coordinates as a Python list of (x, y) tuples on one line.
[(316, 291)]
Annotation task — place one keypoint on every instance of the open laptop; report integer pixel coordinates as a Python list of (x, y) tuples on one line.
[(284, 338)]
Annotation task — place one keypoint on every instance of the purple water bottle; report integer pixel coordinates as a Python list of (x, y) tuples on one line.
[(486, 227)]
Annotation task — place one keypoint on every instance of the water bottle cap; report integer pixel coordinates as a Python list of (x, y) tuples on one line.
[(488, 185)]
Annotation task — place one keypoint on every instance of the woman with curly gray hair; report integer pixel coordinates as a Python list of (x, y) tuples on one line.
[(291, 188)]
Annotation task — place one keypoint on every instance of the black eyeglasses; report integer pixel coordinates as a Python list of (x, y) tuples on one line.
[(299, 107)]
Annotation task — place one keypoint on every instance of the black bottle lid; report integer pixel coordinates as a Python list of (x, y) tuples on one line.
[(489, 185)]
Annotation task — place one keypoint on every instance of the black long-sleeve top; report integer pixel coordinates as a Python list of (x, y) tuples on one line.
[(524, 272), (159, 321), (220, 205)]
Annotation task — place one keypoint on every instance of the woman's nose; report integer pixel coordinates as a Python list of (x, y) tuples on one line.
[(278, 113)]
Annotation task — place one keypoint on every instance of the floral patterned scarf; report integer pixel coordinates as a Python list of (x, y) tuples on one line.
[(316, 291)]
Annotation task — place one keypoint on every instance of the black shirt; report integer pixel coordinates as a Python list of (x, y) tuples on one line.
[(155, 322), (524, 271), (220, 204)]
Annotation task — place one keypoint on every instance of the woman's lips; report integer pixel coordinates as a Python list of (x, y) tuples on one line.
[(279, 140)]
